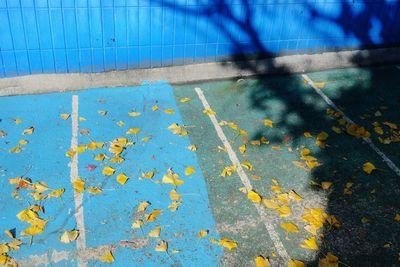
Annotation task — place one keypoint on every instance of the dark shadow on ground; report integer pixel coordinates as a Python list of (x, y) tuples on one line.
[(359, 242)]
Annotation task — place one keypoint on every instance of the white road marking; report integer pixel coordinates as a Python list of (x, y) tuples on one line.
[(78, 197), (245, 180), (367, 140)]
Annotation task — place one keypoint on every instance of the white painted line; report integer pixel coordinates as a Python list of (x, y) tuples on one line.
[(245, 180), (78, 197), (367, 140)]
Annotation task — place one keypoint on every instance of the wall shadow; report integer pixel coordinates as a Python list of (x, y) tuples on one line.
[(369, 235)]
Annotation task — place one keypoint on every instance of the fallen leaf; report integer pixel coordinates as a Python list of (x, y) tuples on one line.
[(284, 211), (122, 178), (78, 185), (307, 135), (228, 170), (162, 246), (319, 85), (397, 217), (153, 215), (294, 196), (64, 116), (3, 134), (296, 263), (242, 149), (107, 257), (268, 123), (16, 149), (247, 165), (169, 111), (154, 108), (172, 178), (102, 112), (260, 261), (189, 170), (326, 185), (90, 167), (56, 193), (330, 260), (29, 130), (155, 232), (100, 157), (229, 244), (310, 243), (134, 114), (137, 224), (368, 167), (173, 195), (192, 148), (143, 206), (120, 123), (185, 99), (174, 206), (82, 119), (254, 196), (289, 228), (133, 131), (69, 236), (202, 233), (94, 190), (209, 112), (108, 171), (17, 121), (117, 159)]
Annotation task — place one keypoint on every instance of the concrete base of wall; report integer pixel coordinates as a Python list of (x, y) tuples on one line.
[(44, 83)]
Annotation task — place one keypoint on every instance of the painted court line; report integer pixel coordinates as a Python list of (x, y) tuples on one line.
[(78, 197), (245, 180), (367, 140)]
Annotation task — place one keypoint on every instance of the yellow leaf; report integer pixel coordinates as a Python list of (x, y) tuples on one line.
[(364, 220), (336, 129), (387, 245), (229, 244), (153, 215), (10, 233), (145, 139), (108, 171), (64, 116), (155, 232), (368, 167), (173, 195), (284, 211), (137, 224), (289, 228), (185, 99), (162, 246), (40, 187), (228, 170), (322, 136), (254, 196), (271, 204), (133, 131), (154, 108), (4, 248), (172, 178), (296, 263), (260, 261), (326, 185), (268, 123), (242, 149), (56, 193), (16, 149), (310, 243), (100, 157), (94, 145), (81, 148), (29, 130), (148, 175), (18, 121), (299, 164), (82, 119), (192, 148), (69, 236), (134, 114), (117, 159), (169, 111), (94, 190), (319, 85), (202, 233), (378, 130), (107, 257), (209, 112), (276, 188), (397, 217), (174, 206), (102, 112), (78, 185), (189, 170), (247, 165), (120, 123), (122, 178), (329, 261), (23, 142), (307, 134), (15, 245), (143, 206), (294, 196), (391, 125)]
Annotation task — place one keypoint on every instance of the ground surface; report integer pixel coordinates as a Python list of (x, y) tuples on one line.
[(354, 217)]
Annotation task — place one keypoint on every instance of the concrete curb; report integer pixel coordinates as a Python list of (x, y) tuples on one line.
[(45, 83)]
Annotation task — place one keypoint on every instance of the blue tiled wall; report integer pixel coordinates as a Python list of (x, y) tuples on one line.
[(57, 36)]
